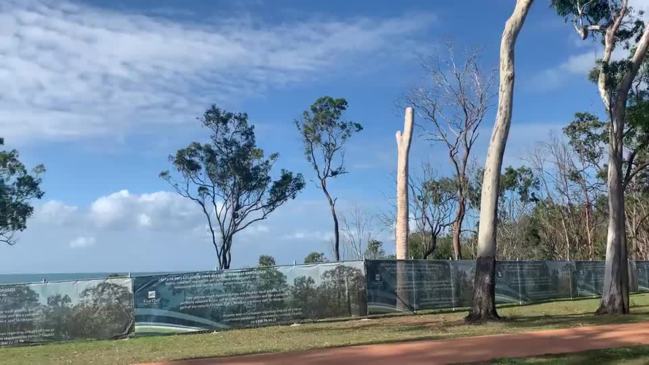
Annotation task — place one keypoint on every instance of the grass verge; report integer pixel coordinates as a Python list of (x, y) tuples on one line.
[(625, 355), (320, 335)]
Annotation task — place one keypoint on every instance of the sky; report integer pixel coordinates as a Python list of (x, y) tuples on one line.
[(102, 92)]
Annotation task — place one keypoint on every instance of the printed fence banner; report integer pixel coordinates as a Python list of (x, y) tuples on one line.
[(93, 309), (249, 297)]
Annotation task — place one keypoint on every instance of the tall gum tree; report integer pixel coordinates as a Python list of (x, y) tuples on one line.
[(230, 179), (617, 25), (324, 134), (484, 285)]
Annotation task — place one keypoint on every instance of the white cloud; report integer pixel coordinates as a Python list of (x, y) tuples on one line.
[(71, 70), (158, 210), (313, 236), (575, 65), (56, 212), (156, 231), (82, 242)]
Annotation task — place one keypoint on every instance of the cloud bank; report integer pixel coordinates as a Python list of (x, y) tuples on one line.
[(71, 70)]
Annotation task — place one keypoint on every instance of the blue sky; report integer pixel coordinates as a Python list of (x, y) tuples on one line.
[(101, 92)]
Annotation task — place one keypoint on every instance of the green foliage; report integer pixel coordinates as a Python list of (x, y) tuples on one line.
[(374, 250), (418, 247), (520, 180), (266, 261), (230, 178), (587, 135), (18, 187), (315, 258), (597, 11), (324, 134)]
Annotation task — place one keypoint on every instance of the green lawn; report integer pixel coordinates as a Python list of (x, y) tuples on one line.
[(626, 355), (319, 335)]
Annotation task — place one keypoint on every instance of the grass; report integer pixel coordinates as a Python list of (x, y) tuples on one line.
[(319, 335), (625, 355)]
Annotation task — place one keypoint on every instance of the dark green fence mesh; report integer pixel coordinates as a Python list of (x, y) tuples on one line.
[(429, 284)]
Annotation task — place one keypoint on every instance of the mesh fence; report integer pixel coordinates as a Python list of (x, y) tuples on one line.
[(247, 298), (92, 309), (184, 302), (408, 286)]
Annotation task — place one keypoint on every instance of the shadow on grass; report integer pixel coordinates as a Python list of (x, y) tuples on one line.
[(603, 357)]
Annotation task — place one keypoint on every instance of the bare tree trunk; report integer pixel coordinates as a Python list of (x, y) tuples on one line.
[(401, 229), (589, 226), (484, 286), (332, 206), (403, 149), (615, 294), (226, 257), (457, 227)]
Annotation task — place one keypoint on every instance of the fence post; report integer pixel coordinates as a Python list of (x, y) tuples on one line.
[(520, 291), (572, 266), (414, 287), (450, 269)]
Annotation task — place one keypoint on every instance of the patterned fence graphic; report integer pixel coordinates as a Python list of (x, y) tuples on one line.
[(94, 309), (198, 301), (250, 297)]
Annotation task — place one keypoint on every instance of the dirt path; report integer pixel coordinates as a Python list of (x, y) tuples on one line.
[(459, 350)]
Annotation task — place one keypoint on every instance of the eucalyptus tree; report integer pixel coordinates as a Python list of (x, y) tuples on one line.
[(454, 102), (229, 178), (484, 285), (616, 25), (266, 261), (324, 133), (18, 187), (315, 258), (433, 201)]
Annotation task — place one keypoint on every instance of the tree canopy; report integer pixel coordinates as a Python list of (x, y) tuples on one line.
[(18, 187), (230, 179)]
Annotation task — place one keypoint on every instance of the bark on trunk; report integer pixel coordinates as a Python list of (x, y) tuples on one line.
[(615, 294), (484, 291), (332, 206), (403, 149), (484, 301), (225, 257), (457, 228), (401, 229)]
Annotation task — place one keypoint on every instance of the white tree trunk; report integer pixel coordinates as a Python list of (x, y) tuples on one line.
[(615, 293), (401, 229), (403, 149), (484, 303)]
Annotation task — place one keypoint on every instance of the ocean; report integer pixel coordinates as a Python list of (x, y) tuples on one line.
[(54, 277)]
